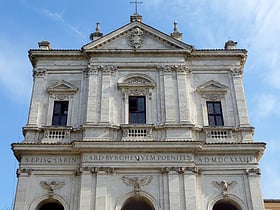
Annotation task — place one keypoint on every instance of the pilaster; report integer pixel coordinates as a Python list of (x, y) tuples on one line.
[(240, 97), (255, 188), (93, 93), (37, 95), (23, 191), (88, 185), (184, 106), (106, 97)]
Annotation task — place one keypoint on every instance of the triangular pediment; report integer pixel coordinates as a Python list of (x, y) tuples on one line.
[(212, 86), (62, 87), (137, 36)]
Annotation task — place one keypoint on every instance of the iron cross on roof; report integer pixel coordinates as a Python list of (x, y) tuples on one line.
[(136, 2)]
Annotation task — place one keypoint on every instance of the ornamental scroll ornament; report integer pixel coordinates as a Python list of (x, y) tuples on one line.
[(137, 182), (136, 38)]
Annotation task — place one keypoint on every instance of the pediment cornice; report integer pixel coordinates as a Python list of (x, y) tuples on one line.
[(133, 35)]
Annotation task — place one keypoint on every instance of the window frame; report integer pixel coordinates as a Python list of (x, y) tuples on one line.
[(138, 112), (216, 113), (59, 115)]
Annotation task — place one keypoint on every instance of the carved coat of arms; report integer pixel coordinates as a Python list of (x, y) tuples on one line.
[(136, 38)]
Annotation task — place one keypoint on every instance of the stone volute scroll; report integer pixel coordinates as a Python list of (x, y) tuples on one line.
[(136, 182)]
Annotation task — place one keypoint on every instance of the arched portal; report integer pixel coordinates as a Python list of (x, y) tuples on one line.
[(137, 203), (50, 205), (224, 205)]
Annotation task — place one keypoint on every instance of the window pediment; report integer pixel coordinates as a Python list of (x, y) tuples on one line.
[(62, 87), (136, 80), (62, 90), (212, 90)]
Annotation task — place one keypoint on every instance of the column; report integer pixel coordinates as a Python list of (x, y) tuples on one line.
[(88, 180), (255, 189), (240, 98), (93, 92)]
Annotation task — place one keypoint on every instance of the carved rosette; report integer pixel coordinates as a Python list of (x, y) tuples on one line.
[(136, 38)]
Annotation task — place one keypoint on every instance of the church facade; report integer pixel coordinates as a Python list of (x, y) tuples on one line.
[(138, 119)]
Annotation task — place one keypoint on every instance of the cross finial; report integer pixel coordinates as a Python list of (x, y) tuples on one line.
[(136, 2)]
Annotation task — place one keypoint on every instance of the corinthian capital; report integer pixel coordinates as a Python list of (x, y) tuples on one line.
[(39, 72), (237, 72)]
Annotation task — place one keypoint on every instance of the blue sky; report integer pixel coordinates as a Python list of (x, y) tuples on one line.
[(205, 24)]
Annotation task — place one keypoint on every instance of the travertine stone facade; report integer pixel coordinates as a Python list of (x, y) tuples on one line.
[(83, 150)]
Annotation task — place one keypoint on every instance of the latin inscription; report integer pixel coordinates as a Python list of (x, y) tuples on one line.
[(51, 159), (224, 159), (139, 157)]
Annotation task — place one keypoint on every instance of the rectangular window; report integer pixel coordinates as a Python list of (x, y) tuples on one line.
[(215, 115), (137, 109), (60, 112)]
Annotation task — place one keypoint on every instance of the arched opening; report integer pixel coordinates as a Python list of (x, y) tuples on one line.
[(50, 205), (138, 203), (225, 205)]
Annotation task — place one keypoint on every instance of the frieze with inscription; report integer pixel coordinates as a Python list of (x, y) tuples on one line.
[(50, 159), (138, 157), (225, 159)]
